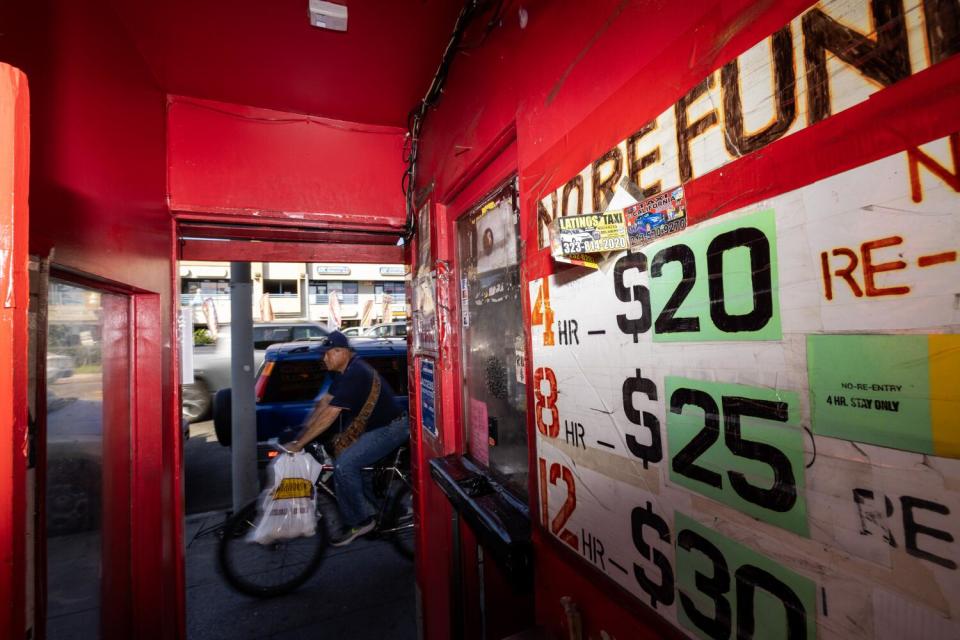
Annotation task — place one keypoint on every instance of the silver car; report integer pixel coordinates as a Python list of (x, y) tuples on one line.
[(387, 330)]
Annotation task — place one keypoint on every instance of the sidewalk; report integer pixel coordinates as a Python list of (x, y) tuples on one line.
[(363, 591)]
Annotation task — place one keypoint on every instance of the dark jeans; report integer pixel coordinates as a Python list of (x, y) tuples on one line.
[(348, 476)]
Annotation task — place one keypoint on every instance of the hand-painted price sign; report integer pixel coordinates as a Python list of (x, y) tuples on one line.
[(558, 524), (542, 314), (660, 590), (647, 422), (893, 391), (740, 445), (546, 414), (726, 590), (718, 283)]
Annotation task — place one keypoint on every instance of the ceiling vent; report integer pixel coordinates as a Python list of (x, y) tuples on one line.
[(327, 15)]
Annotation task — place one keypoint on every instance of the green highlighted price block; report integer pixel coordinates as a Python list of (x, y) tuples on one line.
[(901, 392), (728, 591), (717, 282), (739, 445)]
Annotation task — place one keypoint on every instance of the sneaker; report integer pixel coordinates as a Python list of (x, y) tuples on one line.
[(348, 535)]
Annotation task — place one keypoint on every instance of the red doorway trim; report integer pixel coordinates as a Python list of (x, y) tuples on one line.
[(337, 221), (234, 250), (14, 307), (283, 234), (142, 543), (177, 590), (152, 488)]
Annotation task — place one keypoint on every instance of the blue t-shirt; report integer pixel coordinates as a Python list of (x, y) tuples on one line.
[(350, 391)]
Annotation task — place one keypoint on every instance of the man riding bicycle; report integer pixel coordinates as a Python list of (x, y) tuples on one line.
[(367, 424)]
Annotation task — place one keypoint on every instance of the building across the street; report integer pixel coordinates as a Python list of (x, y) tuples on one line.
[(367, 293)]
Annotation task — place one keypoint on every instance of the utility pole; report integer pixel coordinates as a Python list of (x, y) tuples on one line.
[(243, 405)]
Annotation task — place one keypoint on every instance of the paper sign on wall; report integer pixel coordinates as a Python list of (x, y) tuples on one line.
[(428, 398), (895, 391), (786, 375), (479, 432)]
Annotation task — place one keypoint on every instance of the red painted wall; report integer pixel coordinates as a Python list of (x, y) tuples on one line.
[(98, 205), (576, 80), (282, 167)]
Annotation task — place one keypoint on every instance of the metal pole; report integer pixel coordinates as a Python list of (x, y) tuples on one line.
[(243, 404)]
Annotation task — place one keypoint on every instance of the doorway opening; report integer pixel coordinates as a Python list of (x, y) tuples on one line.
[(303, 283)]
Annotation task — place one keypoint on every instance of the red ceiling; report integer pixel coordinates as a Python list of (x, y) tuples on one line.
[(264, 53)]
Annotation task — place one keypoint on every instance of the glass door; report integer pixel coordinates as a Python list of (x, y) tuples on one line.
[(494, 395), (86, 496)]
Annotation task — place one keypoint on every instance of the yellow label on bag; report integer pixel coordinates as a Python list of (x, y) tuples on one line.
[(291, 488)]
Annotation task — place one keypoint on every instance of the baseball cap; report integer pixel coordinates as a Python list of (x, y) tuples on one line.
[(337, 339)]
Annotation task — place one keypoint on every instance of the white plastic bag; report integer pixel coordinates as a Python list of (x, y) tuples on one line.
[(287, 505)]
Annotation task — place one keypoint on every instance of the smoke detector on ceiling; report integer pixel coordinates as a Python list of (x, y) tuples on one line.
[(328, 15)]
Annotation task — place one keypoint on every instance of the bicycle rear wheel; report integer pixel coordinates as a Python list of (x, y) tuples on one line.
[(270, 570), (398, 525)]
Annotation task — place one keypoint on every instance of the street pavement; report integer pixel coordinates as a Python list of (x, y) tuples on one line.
[(206, 471), (362, 591)]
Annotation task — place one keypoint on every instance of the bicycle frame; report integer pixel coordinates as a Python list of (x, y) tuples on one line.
[(394, 469)]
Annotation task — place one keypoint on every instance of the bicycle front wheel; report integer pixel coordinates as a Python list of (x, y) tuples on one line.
[(267, 570)]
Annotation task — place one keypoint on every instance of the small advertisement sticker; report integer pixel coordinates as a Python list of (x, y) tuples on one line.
[(520, 351), (656, 217), (591, 233), (428, 398), (579, 260)]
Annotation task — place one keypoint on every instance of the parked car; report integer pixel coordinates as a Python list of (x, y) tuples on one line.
[(59, 366), (211, 363), (388, 330), (352, 332), (293, 376)]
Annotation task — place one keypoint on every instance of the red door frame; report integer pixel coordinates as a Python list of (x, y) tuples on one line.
[(276, 242), (14, 307), (136, 484), (491, 170)]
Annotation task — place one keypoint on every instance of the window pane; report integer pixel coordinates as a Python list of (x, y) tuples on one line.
[(351, 287), (204, 287), (394, 371), (74, 470), (295, 381), (280, 287), (263, 337), (306, 332), (494, 400)]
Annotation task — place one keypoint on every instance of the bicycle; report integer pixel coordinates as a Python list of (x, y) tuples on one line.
[(274, 569)]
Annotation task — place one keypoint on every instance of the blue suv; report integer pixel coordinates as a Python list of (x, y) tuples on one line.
[(291, 378)]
